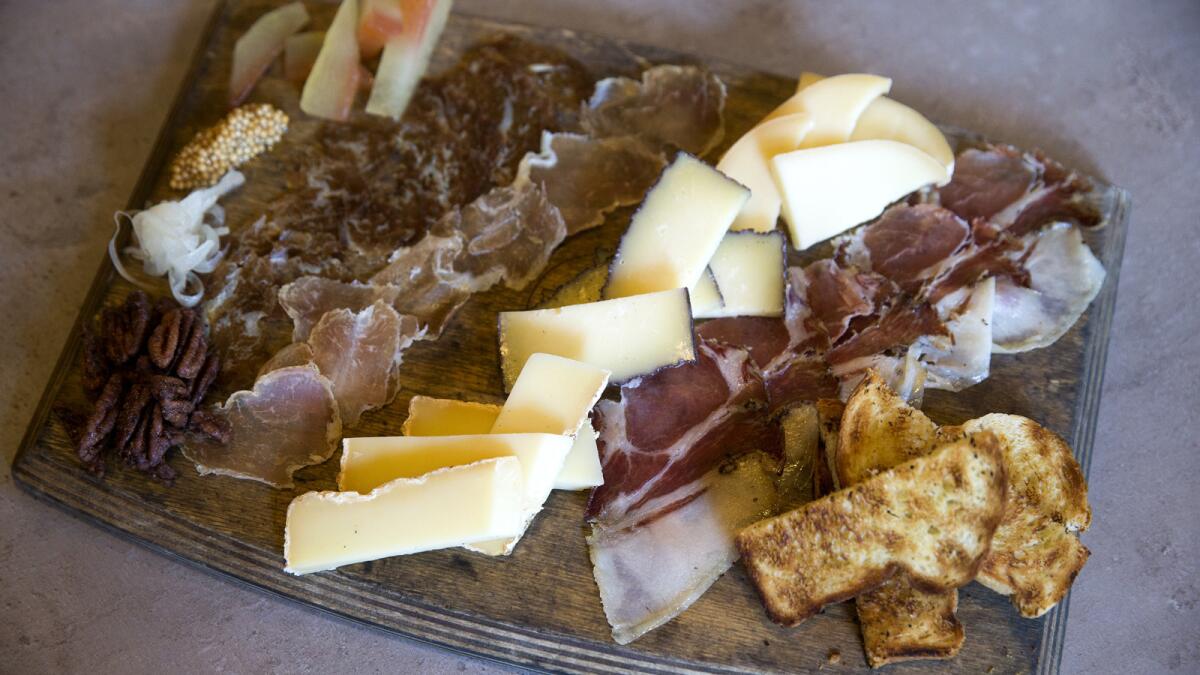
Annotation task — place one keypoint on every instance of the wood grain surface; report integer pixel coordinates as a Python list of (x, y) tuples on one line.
[(540, 607)]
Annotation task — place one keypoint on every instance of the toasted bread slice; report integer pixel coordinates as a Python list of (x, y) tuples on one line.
[(880, 431), (933, 518), (899, 621), (829, 423), (1035, 553)]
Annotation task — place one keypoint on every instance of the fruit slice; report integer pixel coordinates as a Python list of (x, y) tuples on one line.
[(331, 86), (378, 22), (406, 56), (261, 45)]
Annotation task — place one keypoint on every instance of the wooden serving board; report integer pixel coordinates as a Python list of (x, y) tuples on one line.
[(540, 607)]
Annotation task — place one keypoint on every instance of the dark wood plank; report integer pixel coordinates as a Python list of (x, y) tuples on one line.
[(539, 608)]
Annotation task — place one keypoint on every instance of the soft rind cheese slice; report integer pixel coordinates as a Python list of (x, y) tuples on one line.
[(748, 162), (552, 395), (449, 507), (676, 229), (889, 120), (705, 296), (748, 268), (835, 104), (448, 417), (429, 416), (829, 190), (629, 337)]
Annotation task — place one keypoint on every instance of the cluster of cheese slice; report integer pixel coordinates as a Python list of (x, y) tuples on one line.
[(463, 474)]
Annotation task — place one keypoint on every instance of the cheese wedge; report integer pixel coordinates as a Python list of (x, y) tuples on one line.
[(829, 190), (748, 162), (705, 296), (676, 230), (445, 508), (748, 269), (552, 395), (835, 104), (447, 417), (628, 337), (889, 120)]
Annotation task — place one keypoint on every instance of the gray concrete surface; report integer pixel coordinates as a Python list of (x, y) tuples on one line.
[(85, 84)]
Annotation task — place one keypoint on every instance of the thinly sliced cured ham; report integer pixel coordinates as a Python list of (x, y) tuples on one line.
[(671, 106), (428, 285), (360, 353), (986, 180), (963, 356), (1064, 278), (910, 244), (650, 572), (288, 421), (307, 299)]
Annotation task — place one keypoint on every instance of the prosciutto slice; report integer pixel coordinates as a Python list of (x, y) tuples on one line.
[(307, 299), (963, 356), (671, 106), (1064, 278), (288, 421)]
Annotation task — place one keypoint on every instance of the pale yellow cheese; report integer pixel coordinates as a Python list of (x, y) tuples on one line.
[(705, 297), (552, 395), (450, 507), (627, 336), (831, 189), (448, 417), (676, 229), (429, 416), (748, 270), (835, 104), (748, 162)]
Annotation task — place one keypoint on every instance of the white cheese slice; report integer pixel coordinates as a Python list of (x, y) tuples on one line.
[(748, 162), (449, 417), (705, 296), (835, 104), (441, 509), (829, 190), (629, 336), (676, 229), (429, 416), (552, 395), (748, 268)]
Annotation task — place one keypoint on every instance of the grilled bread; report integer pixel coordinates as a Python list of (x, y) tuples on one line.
[(932, 518), (899, 621), (1035, 553), (829, 421)]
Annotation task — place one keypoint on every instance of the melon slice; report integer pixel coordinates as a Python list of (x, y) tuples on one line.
[(378, 22), (331, 86), (406, 56), (260, 46)]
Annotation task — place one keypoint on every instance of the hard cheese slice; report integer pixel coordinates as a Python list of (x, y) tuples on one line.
[(676, 230), (449, 507), (369, 462), (829, 190), (748, 162), (835, 104), (581, 470), (748, 268), (705, 296), (629, 337), (447, 417)]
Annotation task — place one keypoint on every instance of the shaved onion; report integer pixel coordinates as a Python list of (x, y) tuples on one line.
[(174, 240)]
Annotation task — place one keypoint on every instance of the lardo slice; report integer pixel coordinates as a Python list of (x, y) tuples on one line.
[(676, 230), (748, 162), (829, 190), (629, 337), (449, 507), (748, 270)]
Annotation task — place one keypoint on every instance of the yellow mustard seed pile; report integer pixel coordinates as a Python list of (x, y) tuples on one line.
[(245, 132)]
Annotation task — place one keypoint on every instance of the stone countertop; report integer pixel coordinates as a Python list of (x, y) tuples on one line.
[(1110, 88)]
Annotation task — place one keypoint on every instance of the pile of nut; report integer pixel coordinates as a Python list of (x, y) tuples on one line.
[(146, 369), (243, 134)]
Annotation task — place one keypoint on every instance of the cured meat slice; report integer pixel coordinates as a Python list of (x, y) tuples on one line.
[(763, 337), (898, 326), (588, 177), (428, 285), (911, 244), (672, 106), (288, 421), (360, 354), (986, 180), (670, 428), (307, 299), (295, 354), (649, 573), (963, 356), (836, 295), (1064, 278)]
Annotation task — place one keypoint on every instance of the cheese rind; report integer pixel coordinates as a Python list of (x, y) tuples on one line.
[(831, 189), (676, 229), (748, 268), (748, 162), (429, 416), (629, 337), (552, 395), (705, 296), (445, 508), (835, 104)]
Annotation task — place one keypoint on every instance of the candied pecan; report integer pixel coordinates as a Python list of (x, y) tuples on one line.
[(165, 338), (206, 377), (157, 441), (95, 363), (211, 424), (125, 327), (100, 424), (130, 412), (192, 355)]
